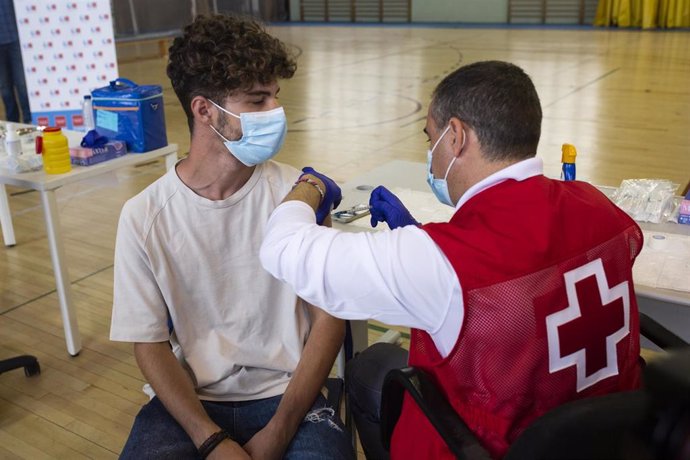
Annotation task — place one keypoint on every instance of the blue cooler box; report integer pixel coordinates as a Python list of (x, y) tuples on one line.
[(131, 113)]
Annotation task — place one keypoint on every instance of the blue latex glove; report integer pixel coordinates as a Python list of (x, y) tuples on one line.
[(331, 198), (93, 140), (386, 207)]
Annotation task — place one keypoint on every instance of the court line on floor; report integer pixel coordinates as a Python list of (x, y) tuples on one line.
[(581, 87)]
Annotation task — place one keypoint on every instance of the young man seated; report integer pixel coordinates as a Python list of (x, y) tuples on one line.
[(236, 359)]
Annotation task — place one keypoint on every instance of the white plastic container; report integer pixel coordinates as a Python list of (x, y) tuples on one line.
[(13, 144), (87, 112)]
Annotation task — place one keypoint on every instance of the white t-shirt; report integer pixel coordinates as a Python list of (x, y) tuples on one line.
[(238, 331)]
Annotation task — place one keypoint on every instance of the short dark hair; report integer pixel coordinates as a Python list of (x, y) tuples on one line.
[(498, 101), (218, 55)]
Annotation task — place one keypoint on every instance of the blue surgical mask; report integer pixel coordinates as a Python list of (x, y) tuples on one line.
[(263, 134), (440, 186)]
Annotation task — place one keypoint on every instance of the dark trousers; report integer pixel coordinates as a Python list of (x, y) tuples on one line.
[(11, 79), (156, 435), (364, 377)]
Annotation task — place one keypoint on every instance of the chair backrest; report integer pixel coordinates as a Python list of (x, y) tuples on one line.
[(615, 426), (653, 423), (460, 440), (336, 385), (649, 424)]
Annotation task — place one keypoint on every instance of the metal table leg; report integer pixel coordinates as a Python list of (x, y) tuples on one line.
[(6, 218), (64, 290)]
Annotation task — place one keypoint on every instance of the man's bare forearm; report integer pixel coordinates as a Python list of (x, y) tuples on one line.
[(175, 389), (324, 342)]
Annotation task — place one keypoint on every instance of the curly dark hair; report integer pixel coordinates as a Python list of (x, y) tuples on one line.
[(218, 55)]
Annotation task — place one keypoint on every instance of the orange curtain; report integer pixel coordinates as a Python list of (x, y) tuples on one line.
[(647, 14)]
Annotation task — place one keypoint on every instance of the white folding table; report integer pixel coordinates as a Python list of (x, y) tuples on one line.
[(46, 185)]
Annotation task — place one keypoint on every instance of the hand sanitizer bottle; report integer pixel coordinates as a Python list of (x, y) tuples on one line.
[(568, 154)]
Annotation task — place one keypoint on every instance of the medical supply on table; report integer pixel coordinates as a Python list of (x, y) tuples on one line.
[(92, 139), (23, 163), (664, 261), (54, 147), (568, 154), (657, 242), (646, 200), (684, 211), (95, 148), (87, 113), (348, 215), (27, 134), (13, 157), (87, 156), (13, 144), (131, 113)]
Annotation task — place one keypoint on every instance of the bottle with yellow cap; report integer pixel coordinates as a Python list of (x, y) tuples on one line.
[(53, 144), (568, 154)]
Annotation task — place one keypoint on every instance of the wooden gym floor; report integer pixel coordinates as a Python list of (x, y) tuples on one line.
[(358, 100)]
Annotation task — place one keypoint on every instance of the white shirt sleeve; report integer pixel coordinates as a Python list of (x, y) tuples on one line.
[(398, 277), (139, 310)]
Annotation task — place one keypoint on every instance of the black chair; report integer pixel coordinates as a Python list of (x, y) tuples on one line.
[(653, 423), (335, 386), (29, 363)]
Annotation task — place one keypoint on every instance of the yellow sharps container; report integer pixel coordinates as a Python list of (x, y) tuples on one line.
[(55, 151)]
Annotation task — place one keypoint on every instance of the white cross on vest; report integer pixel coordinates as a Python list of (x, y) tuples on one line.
[(586, 332)]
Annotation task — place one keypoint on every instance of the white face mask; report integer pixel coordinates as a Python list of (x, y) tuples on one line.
[(263, 134), (440, 186)]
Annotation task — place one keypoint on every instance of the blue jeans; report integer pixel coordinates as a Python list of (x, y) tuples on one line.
[(11, 78), (364, 377), (156, 434)]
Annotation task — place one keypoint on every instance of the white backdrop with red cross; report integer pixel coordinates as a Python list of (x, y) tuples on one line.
[(68, 49)]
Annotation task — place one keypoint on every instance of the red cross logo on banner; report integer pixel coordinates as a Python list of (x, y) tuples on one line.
[(586, 332)]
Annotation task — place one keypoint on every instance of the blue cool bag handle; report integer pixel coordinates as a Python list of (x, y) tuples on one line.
[(122, 83)]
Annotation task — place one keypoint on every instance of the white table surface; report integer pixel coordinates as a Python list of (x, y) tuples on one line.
[(46, 185), (673, 306)]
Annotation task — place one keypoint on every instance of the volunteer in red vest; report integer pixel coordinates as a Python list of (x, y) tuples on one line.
[(523, 301)]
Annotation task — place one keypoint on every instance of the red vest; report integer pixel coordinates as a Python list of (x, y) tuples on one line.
[(550, 312)]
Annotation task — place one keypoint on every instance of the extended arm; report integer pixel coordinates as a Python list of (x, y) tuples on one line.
[(398, 277), (324, 341), (384, 205)]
